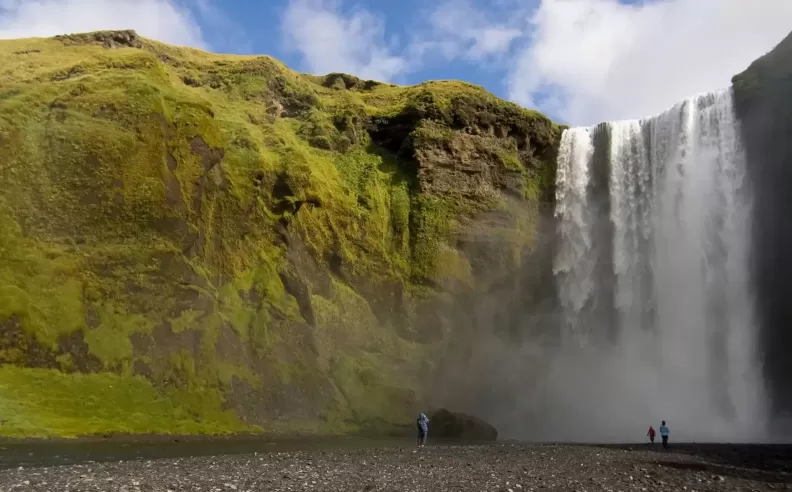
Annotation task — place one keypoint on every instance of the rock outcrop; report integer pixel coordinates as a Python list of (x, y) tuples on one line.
[(449, 425)]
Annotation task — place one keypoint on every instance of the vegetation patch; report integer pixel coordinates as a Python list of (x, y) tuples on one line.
[(47, 403)]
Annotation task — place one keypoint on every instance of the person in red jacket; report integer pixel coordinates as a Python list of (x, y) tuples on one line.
[(651, 434)]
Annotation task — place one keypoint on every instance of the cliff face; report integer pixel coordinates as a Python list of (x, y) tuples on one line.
[(193, 242), (763, 96)]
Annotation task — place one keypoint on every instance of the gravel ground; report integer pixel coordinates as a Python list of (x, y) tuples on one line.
[(498, 467)]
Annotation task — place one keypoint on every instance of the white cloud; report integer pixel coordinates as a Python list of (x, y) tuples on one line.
[(458, 29), (225, 34), (603, 60), (331, 40), (163, 20)]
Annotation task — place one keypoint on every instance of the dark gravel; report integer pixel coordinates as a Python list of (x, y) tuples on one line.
[(502, 467)]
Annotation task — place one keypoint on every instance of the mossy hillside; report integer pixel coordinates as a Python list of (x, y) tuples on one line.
[(224, 227)]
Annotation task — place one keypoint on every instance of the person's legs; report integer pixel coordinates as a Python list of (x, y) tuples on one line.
[(651, 438), (665, 441)]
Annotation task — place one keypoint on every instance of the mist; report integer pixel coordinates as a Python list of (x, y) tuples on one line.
[(648, 311)]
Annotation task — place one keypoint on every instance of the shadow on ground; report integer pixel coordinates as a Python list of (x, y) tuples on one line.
[(769, 463)]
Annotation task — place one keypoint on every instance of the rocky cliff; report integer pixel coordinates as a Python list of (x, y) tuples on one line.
[(763, 97), (201, 243)]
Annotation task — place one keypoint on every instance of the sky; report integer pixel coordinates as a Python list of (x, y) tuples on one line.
[(579, 61)]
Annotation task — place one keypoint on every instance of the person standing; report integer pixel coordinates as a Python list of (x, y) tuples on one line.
[(423, 429), (651, 434), (664, 434)]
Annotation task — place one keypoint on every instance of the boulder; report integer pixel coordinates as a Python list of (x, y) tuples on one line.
[(450, 425)]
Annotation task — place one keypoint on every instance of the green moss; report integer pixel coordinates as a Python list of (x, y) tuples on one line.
[(110, 340), (432, 224), (353, 347), (39, 284), (372, 400), (379, 195), (510, 161), (346, 320), (400, 216), (187, 319), (452, 268), (181, 370), (229, 371), (431, 133), (44, 403), (235, 310)]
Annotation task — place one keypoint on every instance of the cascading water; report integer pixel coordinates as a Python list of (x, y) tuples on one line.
[(652, 279)]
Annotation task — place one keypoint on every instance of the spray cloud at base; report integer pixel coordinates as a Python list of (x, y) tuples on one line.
[(653, 316)]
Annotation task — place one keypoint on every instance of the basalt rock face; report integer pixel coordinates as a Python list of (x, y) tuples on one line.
[(192, 242), (763, 98)]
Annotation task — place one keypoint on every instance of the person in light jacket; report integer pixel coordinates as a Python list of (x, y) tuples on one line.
[(664, 432)]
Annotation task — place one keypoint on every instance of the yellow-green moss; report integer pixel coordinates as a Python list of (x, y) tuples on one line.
[(186, 319), (355, 349), (371, 397), (109, 341), (432, 223), (39, 284), (45, 403)]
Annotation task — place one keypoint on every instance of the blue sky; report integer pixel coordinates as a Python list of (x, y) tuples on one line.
[(579, 61), (401, 20)]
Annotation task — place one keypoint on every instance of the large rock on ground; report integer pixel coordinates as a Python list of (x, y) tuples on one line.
[(451, 425)]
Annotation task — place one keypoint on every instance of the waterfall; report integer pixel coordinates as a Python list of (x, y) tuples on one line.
[(651, 270), (572, 267)]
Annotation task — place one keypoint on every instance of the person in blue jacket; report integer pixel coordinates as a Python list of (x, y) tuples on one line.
[(664, 432), (423, 429)]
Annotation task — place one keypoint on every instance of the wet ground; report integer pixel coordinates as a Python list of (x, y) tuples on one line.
[(367, 465)]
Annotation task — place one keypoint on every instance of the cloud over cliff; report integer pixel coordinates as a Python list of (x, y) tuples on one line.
[(164, 20)]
